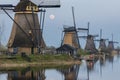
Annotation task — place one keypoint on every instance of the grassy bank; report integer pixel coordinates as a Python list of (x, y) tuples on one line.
[(36, 60)]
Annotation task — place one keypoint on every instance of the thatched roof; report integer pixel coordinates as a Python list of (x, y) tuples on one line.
[(69, 29), (21, 6)]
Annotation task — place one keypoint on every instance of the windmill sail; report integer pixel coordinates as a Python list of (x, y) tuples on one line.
[(7, 6), (47, 3)]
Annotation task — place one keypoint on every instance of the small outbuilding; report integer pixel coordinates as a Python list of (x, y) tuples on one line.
[(67, 49)]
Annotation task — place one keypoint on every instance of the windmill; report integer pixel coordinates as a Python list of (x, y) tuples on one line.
[(90, 45), (111, 44), (26, 33), (102, 44), (71, 34)]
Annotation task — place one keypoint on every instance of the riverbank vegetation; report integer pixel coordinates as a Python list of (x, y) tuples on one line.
[(24, 60), (36, 60)]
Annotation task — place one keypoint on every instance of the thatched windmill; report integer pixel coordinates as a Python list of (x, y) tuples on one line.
[(111, 44), (102, 44), (71, 34), (90, 45), (26, 35)]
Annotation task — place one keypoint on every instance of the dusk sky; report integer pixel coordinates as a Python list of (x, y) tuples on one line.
[(102, 14)]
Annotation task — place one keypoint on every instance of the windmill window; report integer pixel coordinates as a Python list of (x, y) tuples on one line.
[(35, 8), (28, 8)]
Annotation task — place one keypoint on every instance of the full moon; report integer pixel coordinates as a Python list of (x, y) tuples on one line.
[(52, 16)]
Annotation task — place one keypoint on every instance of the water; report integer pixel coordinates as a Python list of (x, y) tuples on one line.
[(101, 69)]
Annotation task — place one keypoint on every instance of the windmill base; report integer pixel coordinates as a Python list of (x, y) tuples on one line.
[(20, 50)]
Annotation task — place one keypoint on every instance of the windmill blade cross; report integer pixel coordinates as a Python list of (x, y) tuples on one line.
[(39, 3), (96, 40), (47, 3), (6, 7), (115, 42), (82, 29), (82, 36), (106, 39), (66, 26), (101, 39), (69, 29), (95, 35)]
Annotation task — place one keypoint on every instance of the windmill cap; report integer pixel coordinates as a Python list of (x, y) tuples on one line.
[(24, 4), (69, 29)]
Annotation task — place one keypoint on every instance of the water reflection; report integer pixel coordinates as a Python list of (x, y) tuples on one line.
[(26, 74), (103, 68), (3, 76), (70, 73)]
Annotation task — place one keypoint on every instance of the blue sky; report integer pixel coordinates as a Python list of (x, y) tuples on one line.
[(102, 14)]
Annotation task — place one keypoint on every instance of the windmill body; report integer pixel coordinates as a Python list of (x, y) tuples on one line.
[(70, 42), (111, 45), (102, 43), (27, 35), (90, 45), (70, 37)]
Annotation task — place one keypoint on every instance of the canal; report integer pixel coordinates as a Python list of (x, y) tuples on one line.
[(101, 69)]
